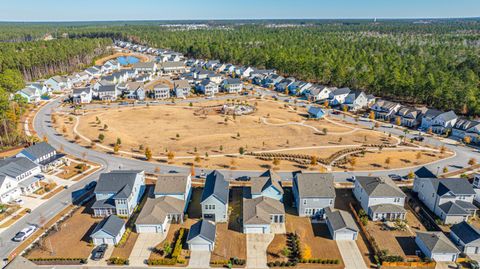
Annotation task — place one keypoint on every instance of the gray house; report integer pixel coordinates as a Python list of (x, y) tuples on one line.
[(313, 192), (356, 100), (341, 225), (171, 195), (451, 199), (385, 110), (259, 214), (214, 200), (109, 231), (436, 246), (42, 154), (466, 237), (201, 236), (380, 198), (118, 192)]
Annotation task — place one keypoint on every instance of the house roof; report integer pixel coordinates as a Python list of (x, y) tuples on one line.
[(204, 229), (466, 232), (264, 181), (156, 210), (15, 166), (457, 186), (107, 88), (217, 186), (38, 150), (341, 91), (315, 110), (233, 81), (171, 183), (424, 172), (387, 105), (387, 208), (29, 91), (181, 83), (464, 124), (111, 225), (81, 90), (258, 210), (119, 182), (172, 64), (315, 185), (437, 242), (380, 187), (340, 219), (143, 65), (448, 116)]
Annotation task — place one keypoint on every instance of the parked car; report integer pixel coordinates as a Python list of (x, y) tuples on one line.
[(352, 178), (418, 138), (19, 201), (395, 177), (335, 112), (202, 175), (99, 252), (24, 234), (387, 126), (123, 103), (243, 178)]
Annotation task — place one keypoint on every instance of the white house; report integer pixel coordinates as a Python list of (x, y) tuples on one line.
[(261, 214), (380, 198), (82, 95), (436, 246), (43, 154), (466, 236), (30, 93), (208, 87), (161, 91), (201, 236), (444, 122), (338, 96), (232, 85), (313, 193), (109, 231), (215, 195), (385, 110), (182, 88), (341, 225)]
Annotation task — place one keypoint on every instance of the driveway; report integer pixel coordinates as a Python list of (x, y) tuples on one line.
[(199, 259), (142, 249), (445, 265), (102, 262), (351, 255), (257, 245)]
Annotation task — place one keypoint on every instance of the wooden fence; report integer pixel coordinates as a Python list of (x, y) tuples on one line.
[(410, 264)]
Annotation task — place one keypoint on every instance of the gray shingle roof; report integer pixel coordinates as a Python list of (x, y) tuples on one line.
[(424, 172), (315, 185), (387, 208), (258, 210), (14, 167), (233, 81), (38, 150), (156, 210), (448, 116), (466, 232), (204, 229), (380, 187), (264, 181), (110, 225), (107, 88), (119, 182), (171, 183), (437, 242), (457, 186), (217, 186), (340, 219), (341, 91)]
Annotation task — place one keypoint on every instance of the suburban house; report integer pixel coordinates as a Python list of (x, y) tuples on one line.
[(214, 200), (144, 77), (168, 204), (215, 78), (356, 100), (313, 193), (118, 192), (208, 87), (427, 118), (436, 246), (182, 88), (338, 96), (466, 237), (467, 128), (173, 67), (32, 94), (40, 86), (212, 64), (318, 92), (108, 231), (266, 185), (43, 154), (107, 92), (385, 110), (147, 67), (82, 96), (341, 225), (261, 214), (57, 83), (161, 91), (315, 112), (18, 176), (444, 122), (201, 236), (451, 199), (132, 90), (424, 172), (112, 65), (93, 72), (380, 198), (409, 116), (232, 85)]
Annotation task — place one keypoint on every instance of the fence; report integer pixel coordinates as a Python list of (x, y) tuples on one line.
[(410, 264)]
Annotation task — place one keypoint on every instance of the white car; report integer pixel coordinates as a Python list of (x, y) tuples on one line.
[(25, 233), (19, 201)]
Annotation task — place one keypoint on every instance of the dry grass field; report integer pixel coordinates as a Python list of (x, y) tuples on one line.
[(201, 136)]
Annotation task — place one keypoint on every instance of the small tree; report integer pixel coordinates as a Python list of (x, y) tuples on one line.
[(45, 139), (177, 136), (119, 141), (190, 104), (371, 115), (388, 161), (340, 139), (101, 137), (64, 129), (233, 163), (220, 148), (352, 161), (238, 135), (398, 121), (325, 131), (171, 156), (325, 104), (411, 175), (157, 169), (77, 137), (241, 150), (116, 148), (105, 127), (443, 149), (467, 139), (192, 170), (206, 155), (472, 161), (148, 154), (418, 156), (197, 158), (276, 161), (445, 170), (313, 160)]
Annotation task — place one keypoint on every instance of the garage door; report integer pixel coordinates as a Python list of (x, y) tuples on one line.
[(344, 236), (254, 230), (200, 247), (147, 229), (444, 257)]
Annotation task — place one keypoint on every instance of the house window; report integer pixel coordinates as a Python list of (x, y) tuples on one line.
[(304, 201), (396, 200)]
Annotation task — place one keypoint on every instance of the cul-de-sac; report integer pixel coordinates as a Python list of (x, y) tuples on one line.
[(301, 141)]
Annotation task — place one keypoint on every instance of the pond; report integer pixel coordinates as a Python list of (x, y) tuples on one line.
[(127, 60)]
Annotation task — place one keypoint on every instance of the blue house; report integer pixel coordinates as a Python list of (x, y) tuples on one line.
[(316, 112)]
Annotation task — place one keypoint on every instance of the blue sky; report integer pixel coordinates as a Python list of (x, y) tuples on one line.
[(84, 10)]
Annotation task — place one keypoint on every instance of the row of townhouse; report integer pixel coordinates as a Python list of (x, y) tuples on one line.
[(163, 55), (427, 119), (21, 174)]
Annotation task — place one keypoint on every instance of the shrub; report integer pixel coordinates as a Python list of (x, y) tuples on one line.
[(118, 261)]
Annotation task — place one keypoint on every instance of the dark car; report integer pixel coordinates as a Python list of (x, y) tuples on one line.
[(99, 252), (395, 177), (418, 138), (243, 178), (335, 112)]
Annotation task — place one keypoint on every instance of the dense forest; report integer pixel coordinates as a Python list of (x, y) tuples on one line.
[(29, 60)]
